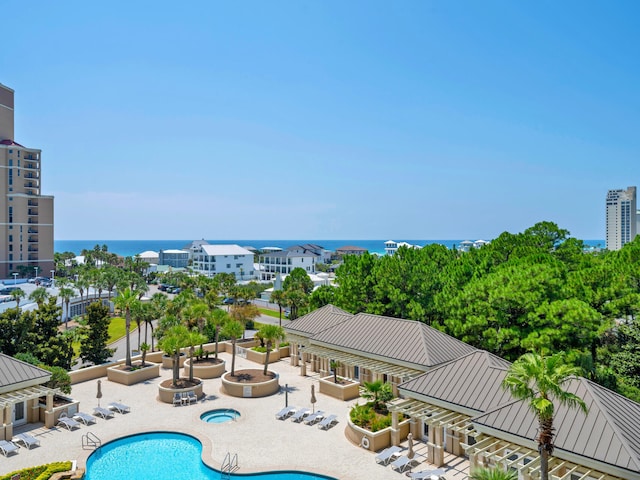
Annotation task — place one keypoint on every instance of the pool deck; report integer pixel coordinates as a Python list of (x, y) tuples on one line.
[(261, 442)]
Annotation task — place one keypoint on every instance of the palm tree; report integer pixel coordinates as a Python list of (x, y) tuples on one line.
[(270, 334), (494, 473), (539, 381), (233, 329), (193, 338), (174, 339), (39, 295), (65, 294), (278, 297), (218, 318), (125, 301), (18, 294)]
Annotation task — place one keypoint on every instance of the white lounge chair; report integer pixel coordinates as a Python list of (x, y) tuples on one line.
[(67, 422), (388, 454), (84, 418), (428, 475), (119, 407), (328, 422), (191, 397), (285, 412), (402, 464), (103, 412), (300, 414), (26, 439), (7, 447), (314, 417), (177, 399)]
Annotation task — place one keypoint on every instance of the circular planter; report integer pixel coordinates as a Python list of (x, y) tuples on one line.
[(165, 394), (167, 362), (205, 371), (250, 389)]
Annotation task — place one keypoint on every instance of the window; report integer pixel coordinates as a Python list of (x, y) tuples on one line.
[(11, 238), (228, 265)]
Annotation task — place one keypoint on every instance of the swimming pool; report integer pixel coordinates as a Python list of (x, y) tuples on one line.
[(220, 415), (165, 456)]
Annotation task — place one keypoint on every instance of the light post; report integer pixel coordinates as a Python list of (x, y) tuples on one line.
[(53, 278), (15, 277), (36, 269)]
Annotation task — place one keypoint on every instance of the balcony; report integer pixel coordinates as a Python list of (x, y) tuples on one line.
[(33, 257), (33, 212), (32, 248), (32, 203), (31, 175), (31, 166), (32, 230), (33, 240)]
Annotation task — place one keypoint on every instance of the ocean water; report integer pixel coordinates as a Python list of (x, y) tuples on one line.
[(129, 248)]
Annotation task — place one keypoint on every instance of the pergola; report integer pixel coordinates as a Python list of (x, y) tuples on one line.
[(374, 365), (24, 394)]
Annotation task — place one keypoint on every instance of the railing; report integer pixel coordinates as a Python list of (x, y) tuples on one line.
[(229, 465), (90, 440)]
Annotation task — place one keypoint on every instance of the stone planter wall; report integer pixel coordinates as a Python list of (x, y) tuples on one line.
[(228, 346), (377, 440), (150, 370), (205, 371), (345, 392), (166, 394), (167, 362), (250, 390)]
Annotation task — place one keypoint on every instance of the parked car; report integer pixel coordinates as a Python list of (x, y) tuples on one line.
[(229, 301)]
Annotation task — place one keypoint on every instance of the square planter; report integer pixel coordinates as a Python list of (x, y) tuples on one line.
[(131, 377), (348, 390)]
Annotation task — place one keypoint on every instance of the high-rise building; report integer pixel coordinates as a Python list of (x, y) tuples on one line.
[(26, 216), (621, 217)]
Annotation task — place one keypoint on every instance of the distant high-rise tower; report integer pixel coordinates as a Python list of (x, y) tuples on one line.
[(621, 217), (26, 216)]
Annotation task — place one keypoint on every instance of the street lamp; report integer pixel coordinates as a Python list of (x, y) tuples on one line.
[(15, 277), (53, 278), (36, 269)]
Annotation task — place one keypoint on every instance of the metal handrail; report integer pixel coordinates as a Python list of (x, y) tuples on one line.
[(229, 465), (90, 440)]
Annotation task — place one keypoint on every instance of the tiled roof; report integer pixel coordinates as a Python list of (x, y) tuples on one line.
[(472, 382), (608, 433), (317, 321), (405, 341), (14, 371)]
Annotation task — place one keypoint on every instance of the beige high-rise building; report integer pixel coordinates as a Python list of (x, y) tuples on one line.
[(621, 217), (26, 216)]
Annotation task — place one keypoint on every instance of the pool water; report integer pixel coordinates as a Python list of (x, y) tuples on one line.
[(220, 415), (165, 456)]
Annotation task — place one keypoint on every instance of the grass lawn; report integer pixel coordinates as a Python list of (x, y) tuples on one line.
[(116, 331), (271, 313)]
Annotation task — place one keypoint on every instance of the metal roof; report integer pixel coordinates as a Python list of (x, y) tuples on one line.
[(397, 340), (472, 381), (317, 321), (608, 433), (15, 372)]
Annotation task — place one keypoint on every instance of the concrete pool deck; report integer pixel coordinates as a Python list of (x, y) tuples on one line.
[(261, 442)]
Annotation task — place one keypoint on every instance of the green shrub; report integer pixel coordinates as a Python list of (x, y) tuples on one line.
[(380, 422), (41, 472), (260, 349)]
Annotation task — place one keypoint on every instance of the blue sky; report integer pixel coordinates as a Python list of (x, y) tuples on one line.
[(326, 119)]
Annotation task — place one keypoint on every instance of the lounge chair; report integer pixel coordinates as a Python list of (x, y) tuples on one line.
[(26, 439), (428, 475), (285, 412), (84, 418), (119, 407), (7, 447), (314, 417), (388, 454), (328, 422), (67, 422), (103, 412), (191, 397), (177, 399), (300, 414), (402, 464)]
